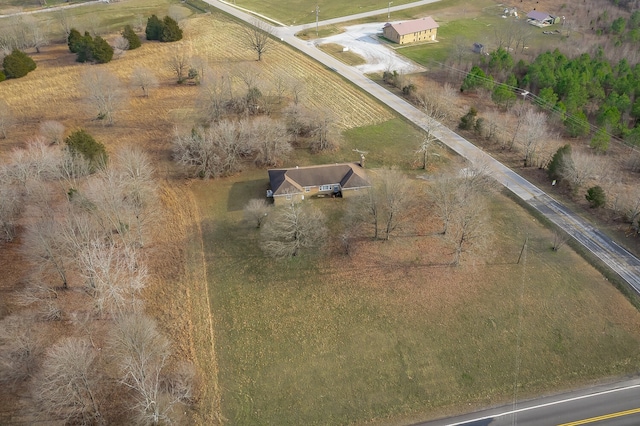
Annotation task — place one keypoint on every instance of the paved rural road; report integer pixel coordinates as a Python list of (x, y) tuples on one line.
[(617, 258), (52, 9), (610, 405)]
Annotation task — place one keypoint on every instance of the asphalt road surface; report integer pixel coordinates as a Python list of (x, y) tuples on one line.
[(610, 405)]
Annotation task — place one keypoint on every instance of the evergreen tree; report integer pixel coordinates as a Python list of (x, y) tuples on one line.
[(577, 124), (475, 78), (81, 142), (600, 140), (74, 39), (102, 52), (17, 64), (558, 162), (154, 28), (2, 76), (132, 37), (170, 30), (85, 48), (596, 196)]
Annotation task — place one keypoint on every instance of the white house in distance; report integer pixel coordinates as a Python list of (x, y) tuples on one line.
[(423, 29)]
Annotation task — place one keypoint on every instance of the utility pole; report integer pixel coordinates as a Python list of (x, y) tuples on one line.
[(317, 14), (389, 11)]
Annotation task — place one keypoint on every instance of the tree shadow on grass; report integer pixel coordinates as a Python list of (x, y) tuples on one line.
[(241, 192)]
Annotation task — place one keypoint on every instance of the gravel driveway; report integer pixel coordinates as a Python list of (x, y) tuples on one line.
[(363, 40)]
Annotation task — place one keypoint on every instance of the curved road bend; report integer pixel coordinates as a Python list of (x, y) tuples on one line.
[(617, 258)]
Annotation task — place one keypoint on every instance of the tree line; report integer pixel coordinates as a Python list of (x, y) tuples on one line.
[(84, 221)]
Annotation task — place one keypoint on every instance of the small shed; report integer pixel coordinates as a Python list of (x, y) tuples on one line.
[(540, 19)]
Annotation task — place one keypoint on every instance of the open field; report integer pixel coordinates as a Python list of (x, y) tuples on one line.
[(296, 12), (391, 333)]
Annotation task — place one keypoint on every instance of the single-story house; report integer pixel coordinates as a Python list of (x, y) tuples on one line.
[(330, 180), (424, 29), (541, 19)]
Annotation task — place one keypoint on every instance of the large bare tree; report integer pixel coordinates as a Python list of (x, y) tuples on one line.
[(142, 354), (7, 119), (533, 135), (269, 139), (256, 211), (21, 345), (214, 95), (67, 387), (104, 93), (387, 206), (144, 79), (468, 227), (257, 37), (292, 229)]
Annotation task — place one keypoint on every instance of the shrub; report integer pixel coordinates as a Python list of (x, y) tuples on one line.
[(132, 37), (596, 196), (84, 48), (17, 64), (154, 28), (74, 40), (468, 121), (101, 51), (170, 30), (2, 76), (81, 142)]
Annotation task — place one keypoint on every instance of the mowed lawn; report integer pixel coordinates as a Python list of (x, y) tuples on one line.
[(296, 12), (393, 335)]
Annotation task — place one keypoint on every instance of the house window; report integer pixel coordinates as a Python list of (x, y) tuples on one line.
[(307, 189), (325, 187), (288, 196)]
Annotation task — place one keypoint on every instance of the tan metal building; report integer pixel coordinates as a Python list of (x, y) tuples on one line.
[(424, 29)]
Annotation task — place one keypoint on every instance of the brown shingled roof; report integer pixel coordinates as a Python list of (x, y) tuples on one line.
[(288, 181), (414, 26)]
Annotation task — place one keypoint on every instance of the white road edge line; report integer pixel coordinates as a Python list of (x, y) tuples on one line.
[(548, 404)]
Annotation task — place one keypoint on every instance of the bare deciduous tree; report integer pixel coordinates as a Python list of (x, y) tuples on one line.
[(67, 387), (581, 167), (144, 79), (269, 139), (387, 205), (45, 248), (52, 131), (257, 37), (292, 229), (65, 20), (10, 208), (179, 62), (533, 134), (213, 96), (114, 277), (21, 344), (142, 354), (7, 118), (256, 211), (433, 107), (120, 45), (36, 37), (104, 93), (324, 135), (468, 228)]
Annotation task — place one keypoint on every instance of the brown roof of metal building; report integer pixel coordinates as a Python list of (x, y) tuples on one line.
[(414, 26)]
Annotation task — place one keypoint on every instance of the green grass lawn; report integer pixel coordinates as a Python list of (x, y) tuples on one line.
[(296, 12), (337, 51), (336, 340)]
